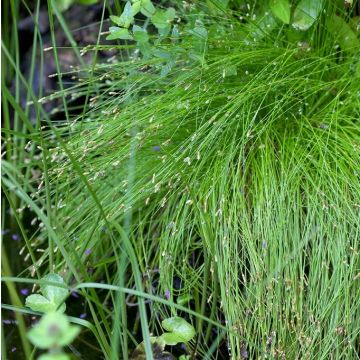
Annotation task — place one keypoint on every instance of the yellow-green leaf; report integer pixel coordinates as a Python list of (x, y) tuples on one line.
[(281, 9), (306, 13), (343, 33)]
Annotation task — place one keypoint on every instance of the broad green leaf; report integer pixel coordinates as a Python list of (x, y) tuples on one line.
[(147, 8), (126, 18), (54, 293), (52, 330), (162, 19), (38, 302), (172, 338), (306, 13), (343, 33), (170, 14), (119, 33), (199, 32), (127, 12), (140, 34), (179, 330), (52, 296), (281, 9), (136, 7), (116, 19), (159, 19)]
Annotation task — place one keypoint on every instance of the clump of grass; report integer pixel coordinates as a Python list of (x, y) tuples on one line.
[(243, 186), (234, 175)]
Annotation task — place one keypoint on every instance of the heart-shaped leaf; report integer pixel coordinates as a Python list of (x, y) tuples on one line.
[(179, 331), (40, 303), (171, 339), (52, 296), (306, 13), (281, 9), (54, 293)]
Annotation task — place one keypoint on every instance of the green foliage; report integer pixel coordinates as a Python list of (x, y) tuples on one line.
[(140, 35), (161, 19), (281, 9), (119, 33), (178, 329), (126, 18), (52, 298), (249, 121), (146, 7), (343, 33), (199, 31), (306, 14), (53, 332), (236, 175)]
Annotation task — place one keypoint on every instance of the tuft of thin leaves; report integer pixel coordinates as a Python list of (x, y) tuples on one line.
[(230, 156)]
